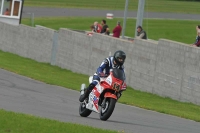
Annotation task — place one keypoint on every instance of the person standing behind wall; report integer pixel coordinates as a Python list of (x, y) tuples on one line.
[(105, 29), (141, 34), (197, 42), (117, 30), (97, 27)]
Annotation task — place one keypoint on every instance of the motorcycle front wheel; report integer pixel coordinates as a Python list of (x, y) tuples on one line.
[(83, 111), (107, 110)]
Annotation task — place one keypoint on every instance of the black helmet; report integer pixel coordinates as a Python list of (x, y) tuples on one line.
[(119, 57)]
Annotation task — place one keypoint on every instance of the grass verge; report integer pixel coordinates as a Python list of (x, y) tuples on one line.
[(61, 77), (150, 5), (21, 123), (178, 30)]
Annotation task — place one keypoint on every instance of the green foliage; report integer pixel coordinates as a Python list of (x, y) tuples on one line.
[(187, 0), (21, 123), (150, 5), (61, 77), (163, 105), (178, 30), (42, 71)]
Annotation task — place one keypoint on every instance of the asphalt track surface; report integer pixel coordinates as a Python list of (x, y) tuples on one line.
[(53, 12), (25, 95)]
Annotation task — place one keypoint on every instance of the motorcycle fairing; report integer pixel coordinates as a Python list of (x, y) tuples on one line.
[(110, 82), (94, 98), (111, 95)]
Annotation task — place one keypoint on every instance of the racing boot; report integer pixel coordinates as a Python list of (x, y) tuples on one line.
[(87, 92)]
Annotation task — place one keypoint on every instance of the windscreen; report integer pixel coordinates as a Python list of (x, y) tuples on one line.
[(118, 73)]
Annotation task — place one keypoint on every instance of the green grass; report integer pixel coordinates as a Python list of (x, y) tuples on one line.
[(21, 123), (177, 30), (41, 71), (61, 77), (182, 31), (150, 5)]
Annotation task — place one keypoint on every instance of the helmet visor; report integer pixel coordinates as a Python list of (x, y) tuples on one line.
[(121, 60)]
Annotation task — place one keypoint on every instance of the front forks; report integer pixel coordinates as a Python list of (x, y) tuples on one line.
[(103, 105)]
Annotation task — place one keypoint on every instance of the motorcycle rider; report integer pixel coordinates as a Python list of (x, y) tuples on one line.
[(103, 70)]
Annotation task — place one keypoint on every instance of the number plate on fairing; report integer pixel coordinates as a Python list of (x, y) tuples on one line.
[(116, 86)]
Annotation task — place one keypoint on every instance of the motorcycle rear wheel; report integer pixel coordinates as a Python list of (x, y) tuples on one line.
[(107, 111), (83, 111)]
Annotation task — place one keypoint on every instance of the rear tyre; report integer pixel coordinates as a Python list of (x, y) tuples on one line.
[(83, 111), (107, 111)]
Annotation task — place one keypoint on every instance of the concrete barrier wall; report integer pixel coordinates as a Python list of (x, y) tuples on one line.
[(178, 71), (190, 88), (26, 41), (143, 62), (74, 50), (83, 54), (167, 68)]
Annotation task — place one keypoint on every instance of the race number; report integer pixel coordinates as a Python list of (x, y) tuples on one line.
[(116, 86)]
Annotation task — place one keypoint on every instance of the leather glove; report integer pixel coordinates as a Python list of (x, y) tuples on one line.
[(102, 75)]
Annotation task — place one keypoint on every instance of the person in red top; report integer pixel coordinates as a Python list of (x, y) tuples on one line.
[(97, 27), (117, 30), (197, 42)]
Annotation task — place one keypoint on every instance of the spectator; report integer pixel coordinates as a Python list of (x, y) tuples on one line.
[(97, 27), (197, 42), (7, 12), (92, 30), (141, 34), (105, 29), (117, 30), (197, 29)]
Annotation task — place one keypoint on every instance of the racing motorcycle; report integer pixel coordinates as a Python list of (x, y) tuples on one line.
[(103, 97)]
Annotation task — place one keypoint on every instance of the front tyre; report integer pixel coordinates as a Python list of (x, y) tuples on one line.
[(83, 111), (107, 110)]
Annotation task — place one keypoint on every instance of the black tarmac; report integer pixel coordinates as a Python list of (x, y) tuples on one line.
[(25, 95), (53, 12)]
